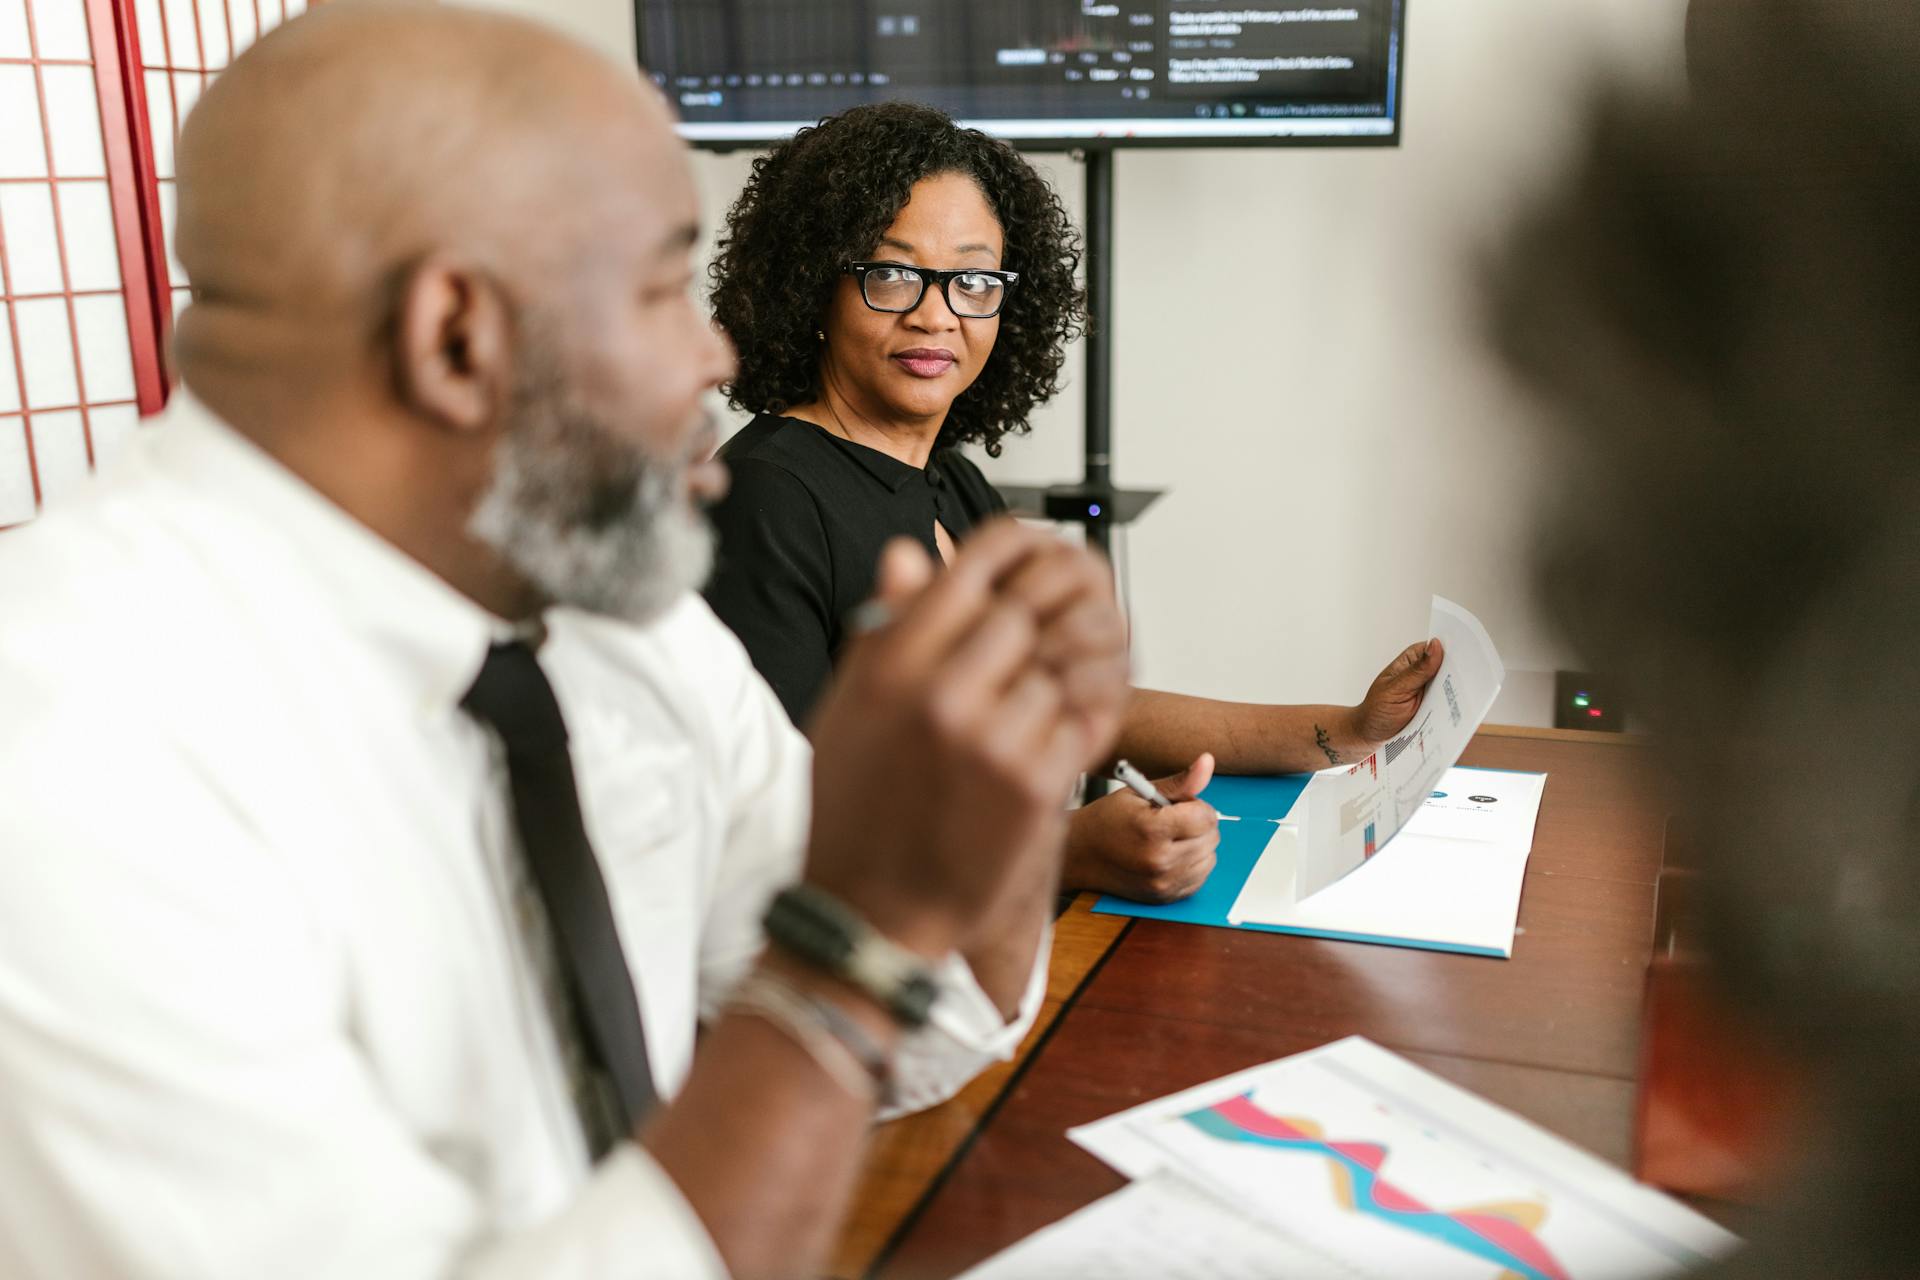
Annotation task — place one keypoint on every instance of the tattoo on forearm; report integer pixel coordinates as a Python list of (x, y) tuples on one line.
[(1324, 740)]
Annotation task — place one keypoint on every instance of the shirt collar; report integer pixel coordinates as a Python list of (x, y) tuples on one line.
[(434, 635), (884, 467)]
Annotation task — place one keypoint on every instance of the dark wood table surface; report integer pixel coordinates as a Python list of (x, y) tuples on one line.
[(1142, 1008)]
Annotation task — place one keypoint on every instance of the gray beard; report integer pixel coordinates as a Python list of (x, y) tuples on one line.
[(591, 522)]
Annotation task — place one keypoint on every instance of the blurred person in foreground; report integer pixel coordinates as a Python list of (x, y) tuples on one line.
[(1722, 312), (381, 812)]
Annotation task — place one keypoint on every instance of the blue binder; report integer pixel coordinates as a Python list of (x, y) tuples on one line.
[(1257, 803)]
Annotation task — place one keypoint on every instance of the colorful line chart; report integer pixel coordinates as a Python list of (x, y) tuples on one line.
[(1388, 1171), (1505, 1234)]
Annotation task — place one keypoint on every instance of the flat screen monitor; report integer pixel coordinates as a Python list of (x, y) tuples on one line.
[(1038, 72)]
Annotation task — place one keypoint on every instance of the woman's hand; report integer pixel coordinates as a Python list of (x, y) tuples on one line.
[(1122, 845), (1391, 700)]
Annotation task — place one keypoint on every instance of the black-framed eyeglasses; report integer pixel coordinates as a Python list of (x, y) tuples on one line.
[(972, 294)]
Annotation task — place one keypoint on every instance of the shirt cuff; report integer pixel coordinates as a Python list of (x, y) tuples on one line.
[(965, 1035)]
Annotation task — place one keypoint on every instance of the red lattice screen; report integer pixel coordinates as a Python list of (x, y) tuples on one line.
[(92, 93), (184, 44)]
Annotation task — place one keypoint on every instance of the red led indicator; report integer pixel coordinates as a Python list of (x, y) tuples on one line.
[(1593, 711)]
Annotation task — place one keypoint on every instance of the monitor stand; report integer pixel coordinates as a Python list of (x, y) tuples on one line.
[(1094, 502)]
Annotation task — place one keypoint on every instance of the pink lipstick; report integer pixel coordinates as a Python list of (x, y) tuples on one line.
[(925, 362)]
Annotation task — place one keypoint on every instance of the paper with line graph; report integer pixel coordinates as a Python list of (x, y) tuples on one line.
[(1387, 1170), (1160, 1228), (1349, 814)]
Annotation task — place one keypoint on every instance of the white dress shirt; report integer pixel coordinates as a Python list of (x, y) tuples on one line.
[(264, 1011)]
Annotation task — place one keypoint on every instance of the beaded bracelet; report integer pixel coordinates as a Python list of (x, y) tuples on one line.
[(840, 1046)]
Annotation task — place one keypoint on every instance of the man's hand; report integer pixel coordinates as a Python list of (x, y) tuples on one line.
[(1390, 702), (1122, 845), (949, 740)]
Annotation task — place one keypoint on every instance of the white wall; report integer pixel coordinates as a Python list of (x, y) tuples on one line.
[(605, 24), (1297, 360)]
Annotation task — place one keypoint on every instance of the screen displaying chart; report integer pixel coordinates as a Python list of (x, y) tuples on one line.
[(1064, 70)]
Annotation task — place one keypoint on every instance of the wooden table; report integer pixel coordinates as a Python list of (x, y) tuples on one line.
[(1140, 1008)]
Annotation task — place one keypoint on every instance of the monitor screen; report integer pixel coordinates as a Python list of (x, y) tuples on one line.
[(1064, 72)]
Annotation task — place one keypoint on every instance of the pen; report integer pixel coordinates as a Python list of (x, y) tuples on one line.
[(1136, 782)]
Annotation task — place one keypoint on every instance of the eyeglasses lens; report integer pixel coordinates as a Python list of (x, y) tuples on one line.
[(978, 296), (972, 295)]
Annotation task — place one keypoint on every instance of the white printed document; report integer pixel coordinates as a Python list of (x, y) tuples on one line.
[(1451, 881), (1348, 815), (1160, 1228), (1371, 1166)]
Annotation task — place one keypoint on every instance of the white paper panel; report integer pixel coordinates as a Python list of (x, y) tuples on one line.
[(23, 153), (112, 427), (16, 480), (213, 33), (33, 254), (160, 115), (106, 357), (13, 30), (296, 7), (9, 377), (60, 29), (60, 455), (73, 113), (86, 220), (240, 14), (183, 42), (152, 51), (46, 349), (187, 87), (181, 297), (168, 204)]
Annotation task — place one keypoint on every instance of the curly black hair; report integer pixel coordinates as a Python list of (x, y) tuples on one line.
[(825, 197)]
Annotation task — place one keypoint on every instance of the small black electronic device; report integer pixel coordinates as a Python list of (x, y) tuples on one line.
[(1582, 700)]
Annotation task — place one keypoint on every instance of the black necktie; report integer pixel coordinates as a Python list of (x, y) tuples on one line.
[(512, 695)]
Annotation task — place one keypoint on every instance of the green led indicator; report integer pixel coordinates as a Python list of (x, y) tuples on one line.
[(1580, 700)]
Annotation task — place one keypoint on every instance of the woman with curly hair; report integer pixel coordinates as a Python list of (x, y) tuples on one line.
[(898, 286)]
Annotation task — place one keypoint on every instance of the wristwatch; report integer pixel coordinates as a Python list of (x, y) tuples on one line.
[(817, 927)]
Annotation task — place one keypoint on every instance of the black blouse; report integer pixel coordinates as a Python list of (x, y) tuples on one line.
[(800, 536)]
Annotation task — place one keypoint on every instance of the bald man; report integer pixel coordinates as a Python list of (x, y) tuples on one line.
[(380, 811)]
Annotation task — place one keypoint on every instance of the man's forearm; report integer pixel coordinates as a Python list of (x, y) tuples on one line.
[(1007, 946), (764, 1143), (1164, 732), (1003, 963)]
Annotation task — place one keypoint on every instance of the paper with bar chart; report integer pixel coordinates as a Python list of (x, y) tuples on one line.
[(1451, 881), (1349, 814), (1387, 1170)]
